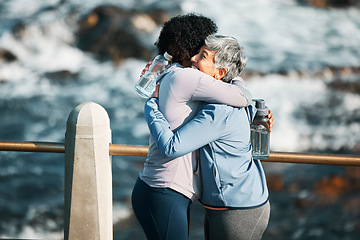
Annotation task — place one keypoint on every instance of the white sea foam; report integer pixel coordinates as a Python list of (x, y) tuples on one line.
[(120, 212)]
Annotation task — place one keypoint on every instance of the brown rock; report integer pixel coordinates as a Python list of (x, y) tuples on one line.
[(318, 3), (332, 186), (7, 56), (293, 187), (115, 33), (275, 182), (331, 3), (302, 203), (353, 87), (352, 205), (353, 176), (353, 172)]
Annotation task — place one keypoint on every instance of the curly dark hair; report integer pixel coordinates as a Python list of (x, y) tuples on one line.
[(183, 36)]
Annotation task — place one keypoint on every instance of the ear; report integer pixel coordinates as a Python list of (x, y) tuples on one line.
[(221, 72)]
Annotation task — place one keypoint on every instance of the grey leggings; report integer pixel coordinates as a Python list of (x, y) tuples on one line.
[(236, 224)]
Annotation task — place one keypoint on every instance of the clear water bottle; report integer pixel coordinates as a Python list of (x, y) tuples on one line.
[(147, 82), (260, 132)]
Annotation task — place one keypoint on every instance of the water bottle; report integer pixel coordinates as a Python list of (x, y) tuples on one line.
[(147, 82), (260, 132)]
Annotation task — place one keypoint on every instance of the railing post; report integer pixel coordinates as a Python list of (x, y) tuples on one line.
[(88, 180)]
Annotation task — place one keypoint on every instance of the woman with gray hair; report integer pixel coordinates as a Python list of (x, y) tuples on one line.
[(228, 54), (166, 187), (229, 60), (234, 189)]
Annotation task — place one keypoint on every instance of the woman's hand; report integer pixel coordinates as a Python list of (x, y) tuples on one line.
[(271, 119), (146, 67), (156, 92)]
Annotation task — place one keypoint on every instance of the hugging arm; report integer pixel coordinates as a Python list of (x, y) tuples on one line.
[(195, 134), (235, 94)]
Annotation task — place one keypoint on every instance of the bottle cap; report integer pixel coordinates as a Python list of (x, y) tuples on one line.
[(262, 109), (167, 56)]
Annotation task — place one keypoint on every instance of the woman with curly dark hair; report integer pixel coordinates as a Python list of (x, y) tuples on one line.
[(183, 36), (166, 186)]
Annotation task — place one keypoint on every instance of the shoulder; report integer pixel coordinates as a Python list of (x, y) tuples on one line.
[(187, 79), (189, 72), (238, 79)]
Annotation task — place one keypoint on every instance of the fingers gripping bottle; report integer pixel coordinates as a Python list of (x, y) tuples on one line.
[(260, 132), (147, 82)]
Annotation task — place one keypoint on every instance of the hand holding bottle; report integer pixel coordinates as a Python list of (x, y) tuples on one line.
[(260, 131), (271, 119), (147, 82), (146, 67)]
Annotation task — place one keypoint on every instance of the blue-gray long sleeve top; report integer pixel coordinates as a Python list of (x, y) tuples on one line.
[(230, 176)]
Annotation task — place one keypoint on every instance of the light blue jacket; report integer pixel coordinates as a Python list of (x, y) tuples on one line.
[(230, 176), (181, 93)]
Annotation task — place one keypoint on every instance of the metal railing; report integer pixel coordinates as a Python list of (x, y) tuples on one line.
[(142, 151)]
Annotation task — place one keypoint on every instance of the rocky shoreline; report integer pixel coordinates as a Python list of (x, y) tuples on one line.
[(307, 202), (113, 33)]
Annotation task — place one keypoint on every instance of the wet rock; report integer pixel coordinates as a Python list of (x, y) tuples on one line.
[(331, 186), (302, 203), (353, 176), (328, 209), (327, 112), (345, 79), (346, 86), (352, 205), (159, 16), (294, 187), (337, 189), (62, 76), (248, 74), (353, 173), (318, 114), (331, 3), (332, 72), (275, 182), (114, 33), (7, 56)]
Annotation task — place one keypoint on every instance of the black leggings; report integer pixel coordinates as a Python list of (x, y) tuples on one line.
[(163, 213)]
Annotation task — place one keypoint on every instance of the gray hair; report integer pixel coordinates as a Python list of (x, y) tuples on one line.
[(228, 54)]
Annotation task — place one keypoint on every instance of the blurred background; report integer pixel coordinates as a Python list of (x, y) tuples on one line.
[(304, 60)]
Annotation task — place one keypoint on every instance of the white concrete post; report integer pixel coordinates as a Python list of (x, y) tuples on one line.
[(88, 180)]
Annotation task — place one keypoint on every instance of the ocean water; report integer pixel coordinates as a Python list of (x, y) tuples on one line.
[(282, 39)]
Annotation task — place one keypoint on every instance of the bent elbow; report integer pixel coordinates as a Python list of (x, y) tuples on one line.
[(169, 152)]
